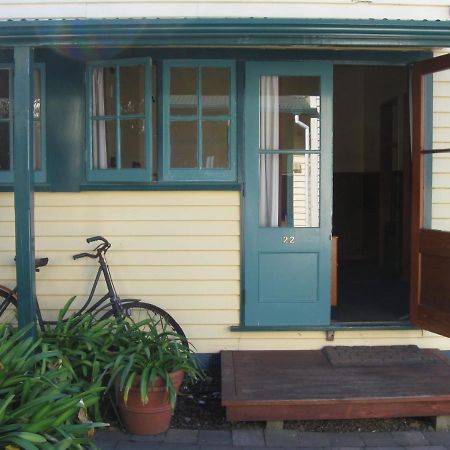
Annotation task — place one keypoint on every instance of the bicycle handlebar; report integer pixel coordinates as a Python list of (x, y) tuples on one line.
[(97, 238), (84, 255), (101, 248)]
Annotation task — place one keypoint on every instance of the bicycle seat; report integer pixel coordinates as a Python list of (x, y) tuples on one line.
[(40, 262)]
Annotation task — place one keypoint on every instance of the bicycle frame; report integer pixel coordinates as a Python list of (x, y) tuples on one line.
[(114, 300), (100, 305)]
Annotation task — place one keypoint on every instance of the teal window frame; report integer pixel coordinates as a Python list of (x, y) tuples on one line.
[(40, 176), (118, 174), (199, 173)]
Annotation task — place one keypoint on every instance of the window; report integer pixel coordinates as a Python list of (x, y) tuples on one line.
[(119, 121), (6, 123), (199, 121)]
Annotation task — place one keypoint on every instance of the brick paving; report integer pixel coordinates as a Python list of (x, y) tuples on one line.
[(251, 439)]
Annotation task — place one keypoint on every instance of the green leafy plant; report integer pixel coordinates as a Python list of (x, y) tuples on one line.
[(40, 405), (144, 351), (84, 343)]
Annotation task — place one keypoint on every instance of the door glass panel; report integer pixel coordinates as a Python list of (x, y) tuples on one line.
[(437, 163), (289, 113), (289, 190)]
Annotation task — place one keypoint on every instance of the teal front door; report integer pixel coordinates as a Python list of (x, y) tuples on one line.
[(288, 193)]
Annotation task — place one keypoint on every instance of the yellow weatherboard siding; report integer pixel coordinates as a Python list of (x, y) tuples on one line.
[(179, 250), (440, 211)]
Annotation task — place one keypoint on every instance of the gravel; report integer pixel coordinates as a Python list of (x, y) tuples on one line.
[(199, 407)]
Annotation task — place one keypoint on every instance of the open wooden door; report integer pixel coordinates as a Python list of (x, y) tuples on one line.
[(430, 277)]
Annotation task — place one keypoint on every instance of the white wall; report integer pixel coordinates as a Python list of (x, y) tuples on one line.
[(344, 9)]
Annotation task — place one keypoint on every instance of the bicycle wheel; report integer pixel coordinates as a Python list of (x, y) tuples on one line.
[(137, 311), (8, 304)]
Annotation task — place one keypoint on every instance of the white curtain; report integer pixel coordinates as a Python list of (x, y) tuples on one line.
[(269, 174), (99, 151)]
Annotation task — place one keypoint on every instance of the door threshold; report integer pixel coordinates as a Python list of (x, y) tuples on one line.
[(334, 326)]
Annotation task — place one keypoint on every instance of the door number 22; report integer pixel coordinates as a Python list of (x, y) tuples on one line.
[(288, 239)]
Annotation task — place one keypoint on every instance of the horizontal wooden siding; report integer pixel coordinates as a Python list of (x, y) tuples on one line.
[(180, 250)]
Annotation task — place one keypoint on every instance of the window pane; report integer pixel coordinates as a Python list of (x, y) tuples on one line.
[(4, 93), (132, 80), (37, 94), (215, 91), (289, 190), (132, 143), (183, 91), (37, 144), (104, 144), (103, 91), (289, 113), (183, 139), (215, 144), (4, 146)]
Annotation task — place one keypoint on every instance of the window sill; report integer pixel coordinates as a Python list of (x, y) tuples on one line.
[(163, 186), (42, 187), (342, 326)]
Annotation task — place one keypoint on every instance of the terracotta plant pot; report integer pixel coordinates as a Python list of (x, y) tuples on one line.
[(153, 417)]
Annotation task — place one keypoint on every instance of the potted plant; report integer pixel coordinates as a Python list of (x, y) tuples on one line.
[(149, 366)]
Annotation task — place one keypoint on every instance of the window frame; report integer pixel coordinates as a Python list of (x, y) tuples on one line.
[(40, 176), (138, 175), (199, 173)]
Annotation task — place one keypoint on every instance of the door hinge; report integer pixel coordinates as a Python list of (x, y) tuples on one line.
[(329, 335)]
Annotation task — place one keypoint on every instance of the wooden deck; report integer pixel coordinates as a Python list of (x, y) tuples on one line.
[(302, 385)]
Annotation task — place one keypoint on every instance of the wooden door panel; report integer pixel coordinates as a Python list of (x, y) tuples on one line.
[(430, 276)]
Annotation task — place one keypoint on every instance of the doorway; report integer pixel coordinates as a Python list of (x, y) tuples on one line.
[(371, 193)]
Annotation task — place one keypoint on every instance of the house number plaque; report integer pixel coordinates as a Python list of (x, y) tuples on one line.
[(288, 239)]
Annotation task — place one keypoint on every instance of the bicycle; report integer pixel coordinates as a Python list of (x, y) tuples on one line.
[(132, 309)]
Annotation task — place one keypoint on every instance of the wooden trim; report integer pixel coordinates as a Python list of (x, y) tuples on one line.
[(339, 409), (416, 190), (334, 270)]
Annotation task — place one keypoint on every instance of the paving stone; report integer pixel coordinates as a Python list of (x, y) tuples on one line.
[(425, 447), (110, 436), (282, 438), (378, 439), (345, 448), (384, 448), (208, 437), (248, 438), (437, 438), (175, 446), (346, 440), (147, 437), (314, 439), (181, 436), (105, 445), (128, 445), (409, 438)]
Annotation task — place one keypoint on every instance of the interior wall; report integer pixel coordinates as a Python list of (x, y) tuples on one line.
[(359, 92)]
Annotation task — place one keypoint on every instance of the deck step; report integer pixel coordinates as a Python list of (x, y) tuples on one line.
[(304, 385)]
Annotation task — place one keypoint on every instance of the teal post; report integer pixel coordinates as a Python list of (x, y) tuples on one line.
[(23, 185)]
